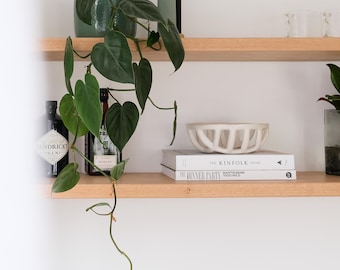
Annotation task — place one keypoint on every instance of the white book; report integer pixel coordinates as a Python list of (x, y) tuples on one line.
[(196, 160), (207, 175)]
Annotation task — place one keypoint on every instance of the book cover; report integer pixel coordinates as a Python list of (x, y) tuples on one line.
[(196, 160), (234, 175)]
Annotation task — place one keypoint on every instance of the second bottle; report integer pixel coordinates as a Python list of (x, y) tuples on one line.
[(103, 153)]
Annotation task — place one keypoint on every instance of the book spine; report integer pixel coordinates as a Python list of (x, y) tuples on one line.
[(232, 162), (233, 175)]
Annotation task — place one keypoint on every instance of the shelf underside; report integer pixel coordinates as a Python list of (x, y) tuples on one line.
[(157, 185), (217, 49)]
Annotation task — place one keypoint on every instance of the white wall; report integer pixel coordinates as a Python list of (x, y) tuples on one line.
[(167, 234), (21, 222), (245, 233)]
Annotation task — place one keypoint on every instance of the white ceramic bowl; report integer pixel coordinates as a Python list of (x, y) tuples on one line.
[(227, 138)]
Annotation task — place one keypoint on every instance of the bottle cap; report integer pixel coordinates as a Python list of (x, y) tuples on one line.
[(104, 94), (51, 106), (51, 103)]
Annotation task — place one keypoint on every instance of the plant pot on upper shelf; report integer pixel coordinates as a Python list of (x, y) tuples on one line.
[(100, 19), (332, 125), (332, 141)]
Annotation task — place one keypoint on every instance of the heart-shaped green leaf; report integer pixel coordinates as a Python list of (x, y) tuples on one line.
[(143, 9), (152, 39), (87, 103), (118, 170), (335, 76), (113, 58), (68, 64), (143, 81), (70, 117), (173, 44), (121, 122), (67, 178), (84, 10)]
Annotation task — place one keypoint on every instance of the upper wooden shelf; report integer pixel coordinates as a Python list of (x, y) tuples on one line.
[(219, 49), (156, 185)]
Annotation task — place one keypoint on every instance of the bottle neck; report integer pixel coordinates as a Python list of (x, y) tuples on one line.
[(104, 96), (105, 107), (51, 111)]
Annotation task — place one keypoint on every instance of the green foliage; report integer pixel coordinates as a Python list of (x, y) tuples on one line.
[(335, 79), (152, 39), (335, 76), (118, 170), (173, 43), (113, 58), (67, 178), (80, 107), (142, 9), (70, 116), (87, 103), (121, 122), (84, 8), (68, 64), (143, 81)]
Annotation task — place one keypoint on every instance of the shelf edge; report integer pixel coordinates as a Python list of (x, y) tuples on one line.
[(156, 185), (217, 49)]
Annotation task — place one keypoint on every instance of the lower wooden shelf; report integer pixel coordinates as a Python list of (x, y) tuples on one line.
[(157, 185)]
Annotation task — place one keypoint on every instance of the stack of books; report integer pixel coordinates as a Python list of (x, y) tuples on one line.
[(195, 165)]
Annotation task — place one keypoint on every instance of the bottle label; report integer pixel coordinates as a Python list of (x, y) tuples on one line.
[(104, 152), (52, 146), (105, 162)]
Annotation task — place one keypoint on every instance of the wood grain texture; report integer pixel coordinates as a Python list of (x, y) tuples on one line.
[(217, 49), (156, 185)]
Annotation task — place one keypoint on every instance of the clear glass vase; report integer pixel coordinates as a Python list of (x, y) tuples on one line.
[(332, 141), (101, 16)]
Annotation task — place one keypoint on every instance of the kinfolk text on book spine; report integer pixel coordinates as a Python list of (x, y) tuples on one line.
[(178, 160)]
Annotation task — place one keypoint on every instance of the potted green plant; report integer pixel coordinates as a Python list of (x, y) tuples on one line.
[(332, 125), (80, 107)]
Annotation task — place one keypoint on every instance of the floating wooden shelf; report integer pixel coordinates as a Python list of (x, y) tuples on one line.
[(157, 185), (218, 49)]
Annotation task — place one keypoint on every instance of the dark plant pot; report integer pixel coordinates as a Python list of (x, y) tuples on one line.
[(332, 141), (100, 21), (171, 9)]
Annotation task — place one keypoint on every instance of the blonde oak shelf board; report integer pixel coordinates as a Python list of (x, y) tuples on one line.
[(218, 49), (157, 185)]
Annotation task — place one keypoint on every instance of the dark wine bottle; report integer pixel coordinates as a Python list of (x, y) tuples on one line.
[(103, 153), (53, 144)]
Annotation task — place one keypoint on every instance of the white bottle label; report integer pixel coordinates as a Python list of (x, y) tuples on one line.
[(105, 162), (52, 146), (104, 152)]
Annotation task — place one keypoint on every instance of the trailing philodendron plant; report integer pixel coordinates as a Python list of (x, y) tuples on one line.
[(80, 107), (335, 79)]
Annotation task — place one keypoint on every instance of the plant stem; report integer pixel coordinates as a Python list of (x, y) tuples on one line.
[(147, 28), (160, 108), (113, 208), (138, 48), (114, 242), (121, 90), (81, 56), (127, 90), (92, 164)]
